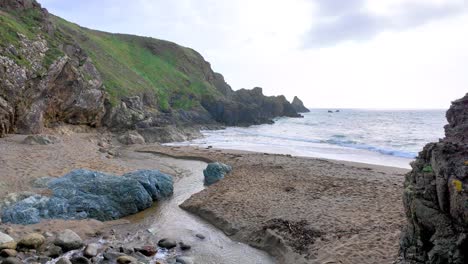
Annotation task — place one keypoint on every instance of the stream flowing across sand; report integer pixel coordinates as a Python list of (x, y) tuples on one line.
[(166, 219)]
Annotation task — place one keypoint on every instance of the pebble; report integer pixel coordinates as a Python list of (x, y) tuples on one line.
[(184, 246), (184, 260), (8, 253), (68, 240), (79, 260), (167, 243), (63, 261), (147, 250), (54, 251), (200, 236), (126, 260), (33, 241), (12, 260), (91, 250)]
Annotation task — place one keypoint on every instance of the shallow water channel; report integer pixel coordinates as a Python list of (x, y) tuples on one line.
[(167, 220)]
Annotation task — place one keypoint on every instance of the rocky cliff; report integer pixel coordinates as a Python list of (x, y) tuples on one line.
[(298, 105), (436, 196), (53, 71)]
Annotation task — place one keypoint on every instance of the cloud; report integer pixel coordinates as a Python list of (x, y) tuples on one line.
[(338, 21)]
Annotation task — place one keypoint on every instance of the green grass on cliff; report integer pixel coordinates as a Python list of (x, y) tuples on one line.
[(129, 66)]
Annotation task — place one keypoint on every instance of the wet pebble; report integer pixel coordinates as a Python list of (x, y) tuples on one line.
[(167, 243), (63, 261), (126, 260), (184, 246), (184, 260), (200, 236), (147, 250), (91, 250)]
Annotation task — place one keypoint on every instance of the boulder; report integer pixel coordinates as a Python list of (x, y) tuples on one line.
[(32, 241), (435, 197), (215, 171), (156, 183), (63, 261), (91, 250), (8, 253), (40, 140), (126, 260), (6, 242), (298, 105), (68, 240), (131, 138), (84, 194), (12, 260), (79, 260)]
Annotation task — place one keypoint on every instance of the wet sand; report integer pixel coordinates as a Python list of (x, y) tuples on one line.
[(297, 209)]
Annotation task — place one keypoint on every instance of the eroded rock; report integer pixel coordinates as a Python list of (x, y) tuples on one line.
[(215, 171)]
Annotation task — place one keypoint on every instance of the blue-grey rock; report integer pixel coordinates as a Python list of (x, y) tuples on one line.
[(84, 194), (215, 171), (156, 183)]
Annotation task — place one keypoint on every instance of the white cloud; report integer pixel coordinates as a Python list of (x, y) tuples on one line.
[(260, 43)]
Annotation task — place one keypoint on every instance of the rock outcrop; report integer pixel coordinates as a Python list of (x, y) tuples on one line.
[(84, 194), (436, 196), (215, 171), (298, 105)]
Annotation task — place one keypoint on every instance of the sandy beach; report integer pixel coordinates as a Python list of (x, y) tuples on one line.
[(300, 210)]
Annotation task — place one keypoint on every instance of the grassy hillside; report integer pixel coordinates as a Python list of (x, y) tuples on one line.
[(129, 65), (135, 65)]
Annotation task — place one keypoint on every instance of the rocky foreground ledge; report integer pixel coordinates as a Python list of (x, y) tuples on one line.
[(436, 197)]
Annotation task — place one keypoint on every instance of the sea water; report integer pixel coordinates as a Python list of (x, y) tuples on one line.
[(383, 137)]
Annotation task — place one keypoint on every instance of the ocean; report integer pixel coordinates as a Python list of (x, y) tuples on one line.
[(383, 137)]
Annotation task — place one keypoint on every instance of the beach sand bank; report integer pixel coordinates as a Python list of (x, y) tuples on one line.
[(297, 209)]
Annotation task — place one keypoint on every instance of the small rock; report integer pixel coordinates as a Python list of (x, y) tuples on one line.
[(5, 240), (79, 260), (147, 250), (200, 236), (130, 138), (184, 246), (8, 253), (63, 261), (9, 245), (40, 140), (12, 260), (91, 250), (126, 251), (152, 230), (102, 150), (112, 256), (167, 243), (32, 241), (215, 171), (54, 251), (126, 260), (184, 260), (68, 240)]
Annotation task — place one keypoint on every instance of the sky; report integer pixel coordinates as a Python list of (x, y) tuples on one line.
[(330, 53)]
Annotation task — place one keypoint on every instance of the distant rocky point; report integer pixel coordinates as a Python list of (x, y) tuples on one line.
[(299, 106), (54, 72)]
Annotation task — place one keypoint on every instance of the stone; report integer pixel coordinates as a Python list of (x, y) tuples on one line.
[(147, 250), (63, 261), (40, 140), (8, 253), (32, 241), (68, 240), (79, 260), (184, 246), (167, 243), (215, 171), (184, 260), (126, 260), (91, 250), (54, 251), (200, 236), (112, 256), (131, 138), (9, 245), (4, 238), (156, 183), (12, 260)]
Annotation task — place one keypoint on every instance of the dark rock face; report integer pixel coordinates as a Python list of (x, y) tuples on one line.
[(436, 196), (247, 107), (84, 194), (298, 105)]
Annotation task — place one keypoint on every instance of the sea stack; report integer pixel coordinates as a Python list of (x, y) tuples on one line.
[(298, 105), (436, 196)]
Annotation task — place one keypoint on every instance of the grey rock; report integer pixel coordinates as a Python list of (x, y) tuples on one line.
[(8, 253), (91, 250), (68, 240), (79, 260), (63, 261), (215, 171), (131, 138), (126, 260), (184, 246), (112, 256), (4, 238), (298, 105), (167, 243), (184, 260), (54, 251), (200, 236), (12, 260), (40, 140)]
